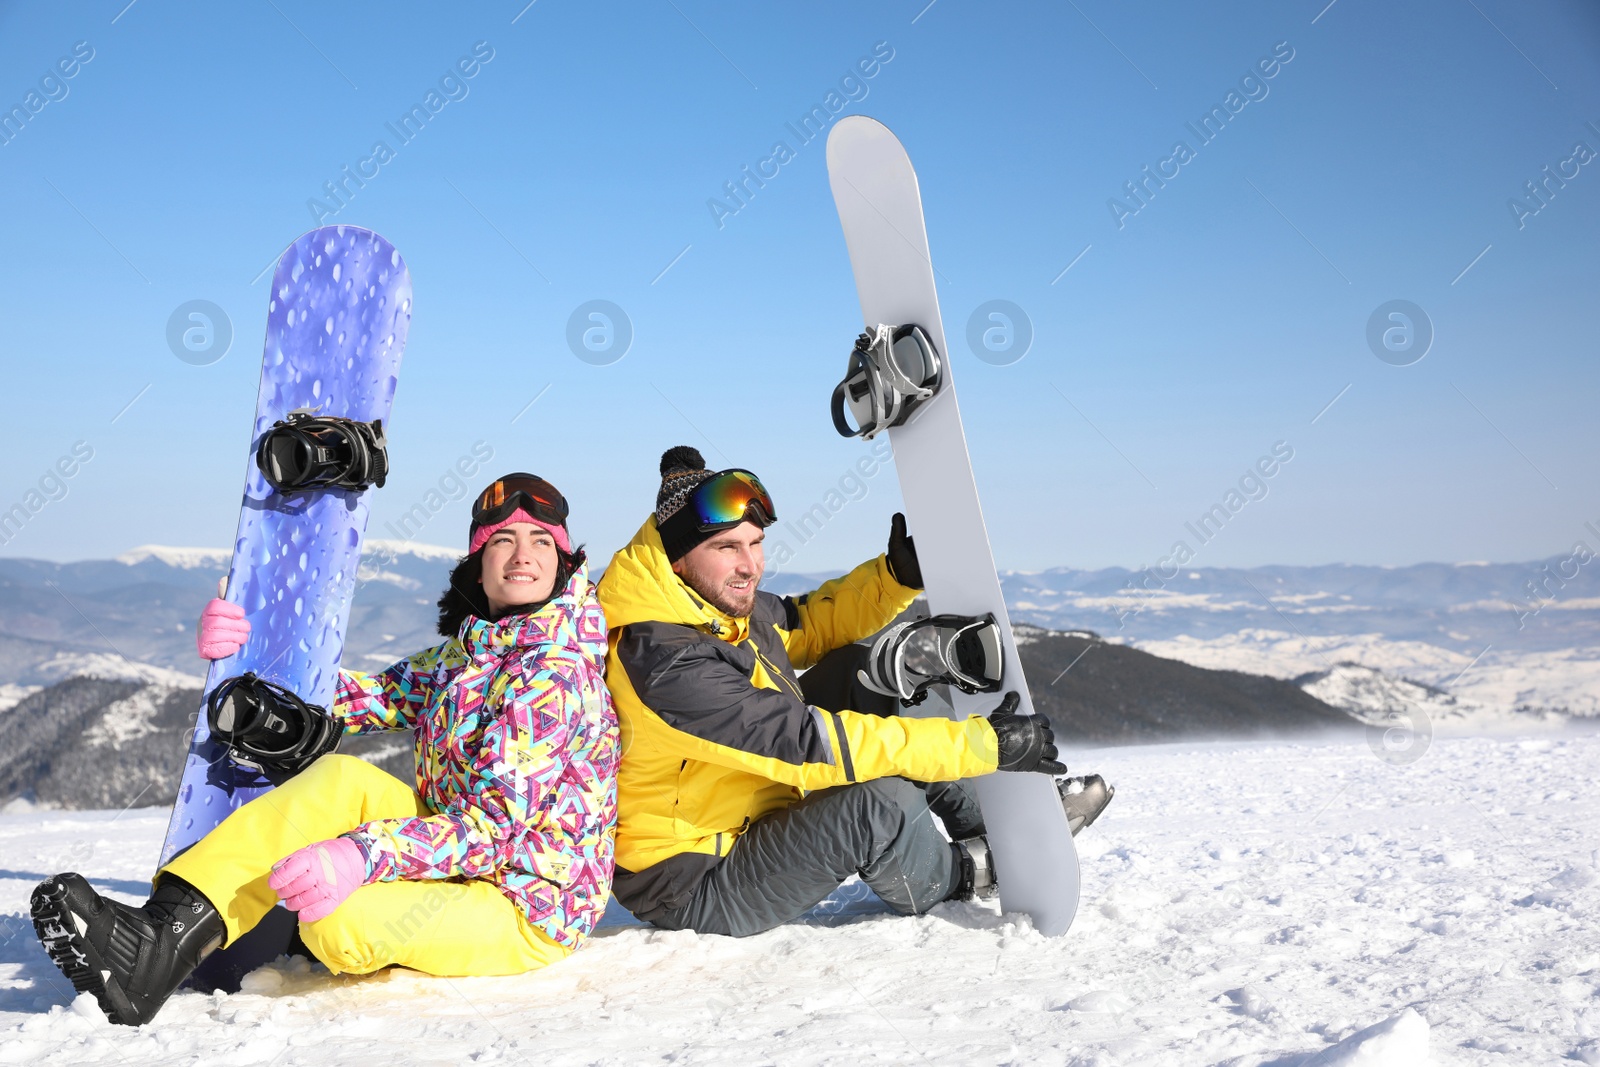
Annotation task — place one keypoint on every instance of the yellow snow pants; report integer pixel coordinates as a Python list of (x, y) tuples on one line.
[(442, 928)]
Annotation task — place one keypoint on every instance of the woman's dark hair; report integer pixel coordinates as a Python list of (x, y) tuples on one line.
[(464, 594)]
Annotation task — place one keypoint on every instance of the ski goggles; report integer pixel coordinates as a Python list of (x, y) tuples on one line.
[(529, 492), (727, 499)]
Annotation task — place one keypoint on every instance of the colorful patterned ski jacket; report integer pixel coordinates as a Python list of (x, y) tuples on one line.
[(516, 756), (715, 727)]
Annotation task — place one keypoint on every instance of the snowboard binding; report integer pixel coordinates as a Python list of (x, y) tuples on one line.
[(911, 657), (892, 371), (310, 451), (269, 729)]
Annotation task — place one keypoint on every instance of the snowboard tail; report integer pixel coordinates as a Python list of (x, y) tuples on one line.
[(337, 319), (880, 208)]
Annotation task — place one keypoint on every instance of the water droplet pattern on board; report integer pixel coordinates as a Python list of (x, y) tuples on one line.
[(336, 325)]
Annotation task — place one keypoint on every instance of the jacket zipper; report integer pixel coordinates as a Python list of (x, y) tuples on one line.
[(772, 669)]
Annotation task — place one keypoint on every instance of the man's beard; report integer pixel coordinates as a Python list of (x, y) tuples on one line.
[(722, 598)]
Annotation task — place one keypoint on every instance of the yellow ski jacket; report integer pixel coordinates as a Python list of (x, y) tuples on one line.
[(715, 732)]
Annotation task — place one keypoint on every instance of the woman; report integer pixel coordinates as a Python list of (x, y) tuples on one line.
[(499, 861)]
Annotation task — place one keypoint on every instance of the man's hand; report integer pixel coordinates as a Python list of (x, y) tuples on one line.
[(903, 565), (1026, 742)]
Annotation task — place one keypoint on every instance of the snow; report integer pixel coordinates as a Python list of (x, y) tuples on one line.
[(1374, 697), (1281, 654), (1400, 1041), (128, 719), (12, 695), (1566, 678), (111, 667), (1258, 905), (1508, 683), (376, 546), (1024, 634), (368, 573), (182, 558), (1142, 600), (192, 558)]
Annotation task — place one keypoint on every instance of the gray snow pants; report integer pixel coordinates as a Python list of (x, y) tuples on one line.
[(883, 830)]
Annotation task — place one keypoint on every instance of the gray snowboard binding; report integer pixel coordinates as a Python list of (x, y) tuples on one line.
[(975, 875), (911, 657), (1083, 798), (892, 371)]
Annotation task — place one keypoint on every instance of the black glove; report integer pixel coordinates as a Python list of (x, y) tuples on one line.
[(903, 565), (1026, 741)]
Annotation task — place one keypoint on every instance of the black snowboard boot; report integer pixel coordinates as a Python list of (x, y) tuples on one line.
[(1083, 799), (976, 880), (131, 959)]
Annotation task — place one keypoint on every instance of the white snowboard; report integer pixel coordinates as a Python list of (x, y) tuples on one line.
[(880, 208)]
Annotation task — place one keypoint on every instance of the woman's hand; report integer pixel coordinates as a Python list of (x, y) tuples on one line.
[(223, 629), (317, 879)]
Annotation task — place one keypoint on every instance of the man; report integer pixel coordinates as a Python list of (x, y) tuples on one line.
[(746, 794)]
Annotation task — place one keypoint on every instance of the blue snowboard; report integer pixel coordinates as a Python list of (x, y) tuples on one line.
[(337, 321)]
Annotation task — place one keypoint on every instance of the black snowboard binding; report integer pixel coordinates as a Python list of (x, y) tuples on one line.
[(269, 729), (960, 650), (893, 370), (310, 451), (131, 959)]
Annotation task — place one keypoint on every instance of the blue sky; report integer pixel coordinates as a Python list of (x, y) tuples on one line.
[(1220, 318)]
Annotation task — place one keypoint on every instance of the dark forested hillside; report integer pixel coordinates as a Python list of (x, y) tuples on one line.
[(1101, 693)]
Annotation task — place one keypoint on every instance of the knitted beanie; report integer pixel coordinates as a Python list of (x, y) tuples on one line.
[(480, 534), (683, 470)]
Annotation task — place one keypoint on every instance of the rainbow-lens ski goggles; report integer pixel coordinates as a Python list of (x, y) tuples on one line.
[(728, 498), (529, 492)]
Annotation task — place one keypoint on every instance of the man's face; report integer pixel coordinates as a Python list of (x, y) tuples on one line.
[(725, 568)]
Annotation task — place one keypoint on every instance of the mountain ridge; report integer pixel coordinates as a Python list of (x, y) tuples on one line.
[(1512, 635)]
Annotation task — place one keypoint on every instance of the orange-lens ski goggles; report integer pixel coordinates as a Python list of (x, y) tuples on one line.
[(528, 491)]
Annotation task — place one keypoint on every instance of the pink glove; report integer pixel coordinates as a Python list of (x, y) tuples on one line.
[(222, 630), (315, 880)]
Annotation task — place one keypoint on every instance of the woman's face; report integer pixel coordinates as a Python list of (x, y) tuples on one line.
[(519, 567)]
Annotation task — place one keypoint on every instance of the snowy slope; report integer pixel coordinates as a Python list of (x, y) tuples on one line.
[(1374, 697), (1507, 681), (1243, 904), (12, 695)]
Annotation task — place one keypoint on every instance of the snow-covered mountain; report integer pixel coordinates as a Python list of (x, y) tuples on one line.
[(1504, 636), (140, 607), (114, 742), (1461, 606), (1507, 636), (111, 742), (1377, 698)]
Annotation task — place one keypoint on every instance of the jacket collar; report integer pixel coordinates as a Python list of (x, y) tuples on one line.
[(567, 620), (640, 586)]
